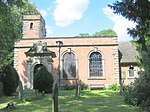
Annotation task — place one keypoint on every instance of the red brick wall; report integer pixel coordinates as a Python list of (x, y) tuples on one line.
[(81, 47)]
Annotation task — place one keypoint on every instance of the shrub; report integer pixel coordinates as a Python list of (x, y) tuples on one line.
[(0, 76), (113, 87), (68, 86), (43, 80), (130, 96), (10, 80), (83, 86), (16, 77), (138, 93)]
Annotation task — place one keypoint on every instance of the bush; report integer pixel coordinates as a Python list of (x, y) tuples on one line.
[(10, 80), (43, 80), (16, 77), (68, 86), (130, 95), (114, 87), (0, 76), (138, 93), (83, 86)]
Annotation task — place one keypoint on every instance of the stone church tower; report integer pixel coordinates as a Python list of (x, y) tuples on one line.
[(33, 26), (30, 52)]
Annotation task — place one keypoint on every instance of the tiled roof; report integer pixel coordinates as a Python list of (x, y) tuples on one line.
[(128, 52)]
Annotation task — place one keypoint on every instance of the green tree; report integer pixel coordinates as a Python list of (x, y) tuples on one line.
[(10, 80), (43, 80), (83, 35), (106, 32), (138, 12), (11, 12)]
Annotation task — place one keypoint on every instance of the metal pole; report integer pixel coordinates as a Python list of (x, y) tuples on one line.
[(60, 43)]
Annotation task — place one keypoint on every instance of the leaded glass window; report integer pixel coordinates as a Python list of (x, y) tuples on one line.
[(69, 66), (95, 65)]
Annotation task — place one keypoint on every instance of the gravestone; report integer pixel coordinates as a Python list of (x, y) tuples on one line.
[(1, 89), (55, 98), (78, 89), (20, 91), (36, 93)]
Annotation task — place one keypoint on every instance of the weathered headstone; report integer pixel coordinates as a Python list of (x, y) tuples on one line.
[(1, 89), (55, 98), (78, 89), (36, 93), (20, 91), (43, 93)]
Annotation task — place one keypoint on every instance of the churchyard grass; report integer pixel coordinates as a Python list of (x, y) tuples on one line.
[(89, 101)]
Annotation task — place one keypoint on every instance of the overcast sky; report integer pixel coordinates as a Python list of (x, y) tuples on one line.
[(71, 17)]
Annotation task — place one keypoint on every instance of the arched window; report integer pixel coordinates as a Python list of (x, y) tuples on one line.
[(95, 65), (31, 25), (69, 66)]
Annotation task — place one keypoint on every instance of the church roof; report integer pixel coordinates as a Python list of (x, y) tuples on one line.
[(128, 51)]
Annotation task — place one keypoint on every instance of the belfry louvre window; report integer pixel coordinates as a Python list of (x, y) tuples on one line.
[(95, 65), (69, 66)]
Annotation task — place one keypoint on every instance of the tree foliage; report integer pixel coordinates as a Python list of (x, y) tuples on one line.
[(10, 80), (103, 33), (11, 12), (83, 35), (43, 80), (106, 32), (138, 12)]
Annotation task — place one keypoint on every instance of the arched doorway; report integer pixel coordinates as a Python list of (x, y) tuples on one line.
[(36, 68), (42, 78), (38, 55)]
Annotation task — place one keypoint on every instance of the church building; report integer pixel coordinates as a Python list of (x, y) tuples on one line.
[(92, 60)]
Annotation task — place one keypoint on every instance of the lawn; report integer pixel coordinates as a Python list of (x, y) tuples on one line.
[(90, 101)]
